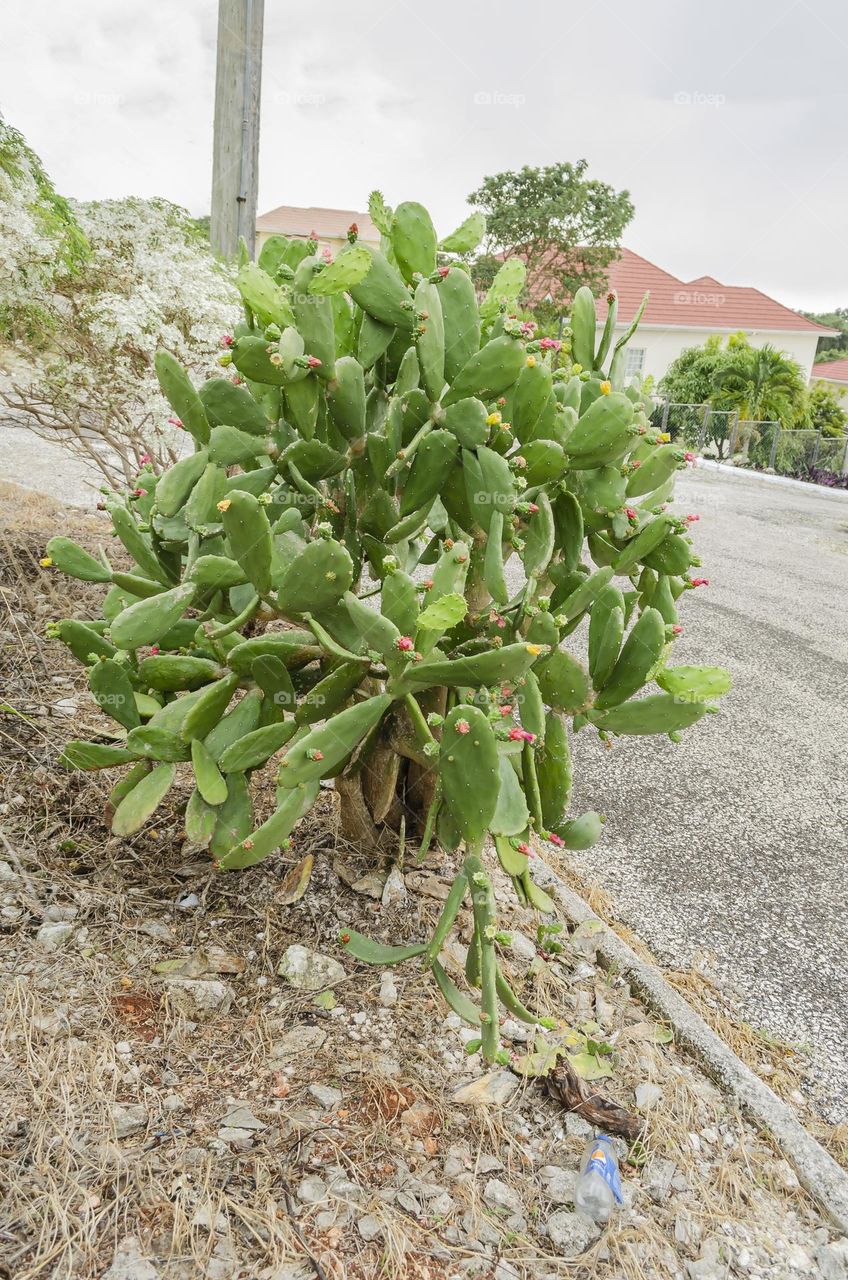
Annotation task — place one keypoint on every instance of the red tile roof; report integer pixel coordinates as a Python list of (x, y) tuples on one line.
[(704, 303), (289, 220), (833, 370)]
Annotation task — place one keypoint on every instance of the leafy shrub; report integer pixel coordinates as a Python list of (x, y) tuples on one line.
[(325, 579)]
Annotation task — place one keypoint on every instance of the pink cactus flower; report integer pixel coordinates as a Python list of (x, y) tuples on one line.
[(227, 340), (525, 849), (462, 726), (145, 457), (532, 508), (313, 362), (689, 457), (138, 493), (677, 630), (444, 272), (699, 582), (404, 643), (610, 298), (555, 839), (154, 649), (427, 584), (327, 253), (630, 513), (691, 519)]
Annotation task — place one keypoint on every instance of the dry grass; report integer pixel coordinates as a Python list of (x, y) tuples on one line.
[(71, 1190)]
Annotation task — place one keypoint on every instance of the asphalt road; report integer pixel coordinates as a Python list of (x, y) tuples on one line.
[(735, 841)]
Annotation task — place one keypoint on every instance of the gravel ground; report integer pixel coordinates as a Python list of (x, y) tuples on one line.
[(734, 841)]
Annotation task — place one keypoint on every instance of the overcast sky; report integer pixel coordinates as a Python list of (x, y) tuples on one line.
[(727, 121)]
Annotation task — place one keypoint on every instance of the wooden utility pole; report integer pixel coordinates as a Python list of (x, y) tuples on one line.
[(235, 160)]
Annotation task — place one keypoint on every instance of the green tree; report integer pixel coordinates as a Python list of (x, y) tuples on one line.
[(566, 227), (765, 386), (831, 348), (824, 410)]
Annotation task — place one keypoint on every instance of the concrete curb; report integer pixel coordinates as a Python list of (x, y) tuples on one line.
[(743, 473), (818, 1172)]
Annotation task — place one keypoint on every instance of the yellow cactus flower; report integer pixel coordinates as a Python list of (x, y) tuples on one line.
[(493, 420), (606, 388), (45, 562), (664, 436), (224, 504), (535, 649), (577, 368), (506, 426), (531, 362)]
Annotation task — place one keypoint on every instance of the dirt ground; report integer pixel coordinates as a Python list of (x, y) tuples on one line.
[(170, 1106)]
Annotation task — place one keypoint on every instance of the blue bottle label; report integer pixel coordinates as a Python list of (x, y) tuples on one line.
[(602, 1162)]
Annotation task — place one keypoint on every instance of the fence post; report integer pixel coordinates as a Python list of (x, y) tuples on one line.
[(774, 444), (845, 458), (704, 423), (665, 415), (732, 435), (816, 450)]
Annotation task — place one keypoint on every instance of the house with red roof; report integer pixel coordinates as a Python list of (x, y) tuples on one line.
[(328, 226), (834, 373), (684, 313)]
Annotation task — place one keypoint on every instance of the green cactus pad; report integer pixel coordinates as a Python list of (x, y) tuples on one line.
[(274, 832), (470, 771), (323, 749), (69, 557), (143, 801), (178, 390)]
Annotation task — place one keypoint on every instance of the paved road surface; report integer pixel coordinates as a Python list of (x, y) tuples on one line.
[(735, 840)]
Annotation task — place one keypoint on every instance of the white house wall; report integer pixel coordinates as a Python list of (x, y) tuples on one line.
[(662, 345)]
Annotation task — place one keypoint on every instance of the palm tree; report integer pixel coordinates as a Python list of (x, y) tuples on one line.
[(765, 385)]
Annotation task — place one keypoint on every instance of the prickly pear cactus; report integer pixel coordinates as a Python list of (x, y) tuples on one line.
[(396, 507)]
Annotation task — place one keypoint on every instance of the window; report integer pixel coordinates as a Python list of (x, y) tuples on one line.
[(634, 361)]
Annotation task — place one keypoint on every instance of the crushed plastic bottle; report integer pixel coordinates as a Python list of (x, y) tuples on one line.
[(598, 1187)]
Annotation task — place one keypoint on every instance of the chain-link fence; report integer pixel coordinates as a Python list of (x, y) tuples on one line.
[(761, 445)]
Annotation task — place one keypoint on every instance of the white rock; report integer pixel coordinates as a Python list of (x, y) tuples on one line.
[(326, 1095), (238, 1116), (173, 1102), (129, 1118), (656, 1178), (577, 1127), (488, 1164), (559, 1183), (312, 1190), (199, 999), (206, 1216), (394, 890), (369, 1227), (647, 1096), (833, 1259), (522, 947), (506, 1271), (299, 1040), (309, 970), (787, 1178), (496, 1087), (687, 1230), (570, 1234), (53, 935), (499, 1195), (388, 990), (130, 1263)]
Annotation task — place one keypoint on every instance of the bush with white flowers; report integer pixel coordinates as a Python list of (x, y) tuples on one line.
[(88, 293)]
